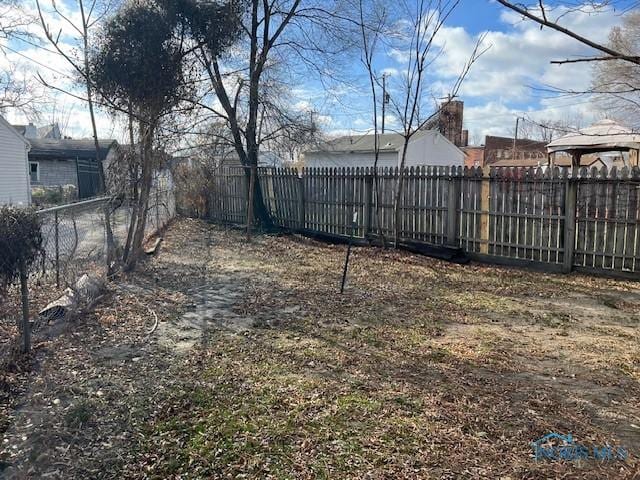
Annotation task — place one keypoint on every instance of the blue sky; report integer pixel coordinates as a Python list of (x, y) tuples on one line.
[(506, 81), (501, 85)]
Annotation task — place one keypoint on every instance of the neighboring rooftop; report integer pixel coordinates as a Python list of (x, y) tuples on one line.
[(51, 131), (389, 142), (506, 143), (65, 148)]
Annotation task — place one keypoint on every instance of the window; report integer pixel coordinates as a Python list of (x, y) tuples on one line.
[(34, 172)]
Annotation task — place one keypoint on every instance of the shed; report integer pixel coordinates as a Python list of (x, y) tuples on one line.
[(55, 163)]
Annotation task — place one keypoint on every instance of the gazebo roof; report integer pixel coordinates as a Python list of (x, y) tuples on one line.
[(604, 135)]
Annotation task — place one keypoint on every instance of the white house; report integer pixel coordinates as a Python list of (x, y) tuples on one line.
[(426, 147), (14, 166)]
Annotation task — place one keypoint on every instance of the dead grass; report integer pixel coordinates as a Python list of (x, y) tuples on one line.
[(422, 369)]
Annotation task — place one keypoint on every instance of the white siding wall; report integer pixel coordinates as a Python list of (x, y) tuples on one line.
[(333, 160), (428, 148), (433, 149), (14, 177)]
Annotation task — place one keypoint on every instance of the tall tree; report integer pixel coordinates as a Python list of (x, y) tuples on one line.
[(372, 25), (274, 33), (137, 66), (422, 22)]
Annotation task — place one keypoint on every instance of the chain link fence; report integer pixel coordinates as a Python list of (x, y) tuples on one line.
[(74, 243)]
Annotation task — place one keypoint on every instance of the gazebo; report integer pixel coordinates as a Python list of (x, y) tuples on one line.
[(602, 136)]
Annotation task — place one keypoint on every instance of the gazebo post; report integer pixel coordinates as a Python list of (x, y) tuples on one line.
[(576, 155)]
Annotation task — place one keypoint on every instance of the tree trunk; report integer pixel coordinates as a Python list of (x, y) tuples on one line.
[(133, 172), (250, 202), (143, 201), (111, 246), (260, 210), (398, 196)]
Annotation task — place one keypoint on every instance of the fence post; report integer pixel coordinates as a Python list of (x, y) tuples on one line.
[(368, 200), (57, 247), (452, 208), (301, 213), (157, 209), (571, 196), (24, 290), (485, 195)]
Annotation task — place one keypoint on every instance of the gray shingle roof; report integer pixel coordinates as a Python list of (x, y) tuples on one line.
[(71, 149)]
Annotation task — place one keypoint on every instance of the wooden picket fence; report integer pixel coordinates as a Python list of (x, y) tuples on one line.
[(584, 219), (227, 202)]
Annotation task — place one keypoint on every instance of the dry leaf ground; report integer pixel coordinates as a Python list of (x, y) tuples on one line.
[(261, 369)]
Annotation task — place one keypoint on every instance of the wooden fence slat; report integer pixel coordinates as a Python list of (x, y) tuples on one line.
[(590, 218)]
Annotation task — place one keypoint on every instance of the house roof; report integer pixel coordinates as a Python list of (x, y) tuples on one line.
[(389, 142), (505, 143), (602, 135), (51, 131), (13, 130), (21, 129), (69, 149)]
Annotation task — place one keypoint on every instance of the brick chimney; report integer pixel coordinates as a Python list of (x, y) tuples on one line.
[(450, 122)]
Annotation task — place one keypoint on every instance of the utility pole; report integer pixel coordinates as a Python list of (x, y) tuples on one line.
[(515, 139), (385, 98)]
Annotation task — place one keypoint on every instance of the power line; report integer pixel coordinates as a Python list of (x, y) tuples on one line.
[(37, 62)]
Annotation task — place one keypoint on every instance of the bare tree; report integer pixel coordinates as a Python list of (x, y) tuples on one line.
[(17, 91), (284, 130), (540, 13), (423, 22), (616, 64), (90, 16), (372, 27), (138, 67), (546, 130), (617, 83), (275, 34)]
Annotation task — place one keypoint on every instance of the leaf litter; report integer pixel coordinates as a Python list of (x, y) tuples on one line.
[(422, 369)]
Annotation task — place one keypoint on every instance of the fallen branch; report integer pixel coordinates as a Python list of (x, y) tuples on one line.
[(84, 293), (154, 247)]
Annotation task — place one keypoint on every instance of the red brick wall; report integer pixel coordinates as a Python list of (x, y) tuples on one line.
[(475, 157)]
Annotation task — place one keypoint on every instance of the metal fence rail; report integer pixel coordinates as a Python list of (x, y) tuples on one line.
[(587, 219), (75, 243)]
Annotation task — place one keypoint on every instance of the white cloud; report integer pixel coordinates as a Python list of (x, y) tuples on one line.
[(506, 80), (520, 56)]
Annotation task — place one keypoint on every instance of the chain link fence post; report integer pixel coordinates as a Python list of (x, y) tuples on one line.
[(24, 293), (57, 248)]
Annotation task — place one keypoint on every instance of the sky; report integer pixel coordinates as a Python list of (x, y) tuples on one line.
[(507, 82)]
